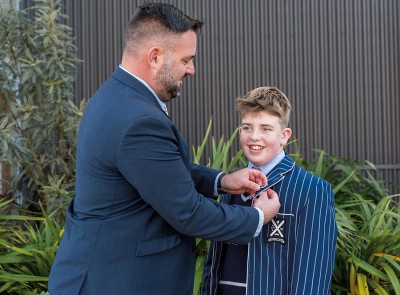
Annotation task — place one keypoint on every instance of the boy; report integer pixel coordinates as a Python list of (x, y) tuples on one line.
[(295, 252)]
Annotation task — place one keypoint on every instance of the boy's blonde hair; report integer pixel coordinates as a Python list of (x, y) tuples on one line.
[(269, 99)]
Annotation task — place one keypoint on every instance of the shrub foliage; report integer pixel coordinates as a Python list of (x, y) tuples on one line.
[(39, 118)]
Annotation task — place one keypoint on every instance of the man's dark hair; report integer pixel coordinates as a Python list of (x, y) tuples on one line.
[(152, 19), (168, 15)]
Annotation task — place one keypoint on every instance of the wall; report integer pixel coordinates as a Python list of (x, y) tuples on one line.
[(338, 61)]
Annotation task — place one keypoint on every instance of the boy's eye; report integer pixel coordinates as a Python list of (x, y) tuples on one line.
[(247, 130)]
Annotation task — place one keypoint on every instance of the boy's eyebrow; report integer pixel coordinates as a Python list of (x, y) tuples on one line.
[(264, 125)]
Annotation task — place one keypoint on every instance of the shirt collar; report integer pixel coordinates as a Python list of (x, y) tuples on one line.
[(271, 164), (160, 102)]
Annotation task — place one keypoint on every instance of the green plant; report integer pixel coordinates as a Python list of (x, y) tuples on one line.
[(219, 158), (27, 249), (369, 258), (368, 220), (39, 119)]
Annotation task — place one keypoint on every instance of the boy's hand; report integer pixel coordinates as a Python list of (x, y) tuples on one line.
[(268, 202), (243, 181)]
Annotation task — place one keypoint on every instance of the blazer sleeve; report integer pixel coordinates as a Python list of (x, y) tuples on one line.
[(210, 278), (314, 256), (150, 158)]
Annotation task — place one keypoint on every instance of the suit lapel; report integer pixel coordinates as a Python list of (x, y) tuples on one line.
[(136, 85)]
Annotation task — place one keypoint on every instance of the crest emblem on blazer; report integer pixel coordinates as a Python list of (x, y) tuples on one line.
[(276, 231)]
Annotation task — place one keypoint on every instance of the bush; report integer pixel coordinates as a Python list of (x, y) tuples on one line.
[(368, 248), (39, 118), (27, 249)]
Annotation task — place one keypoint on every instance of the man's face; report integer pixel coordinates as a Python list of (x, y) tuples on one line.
[(177, 64), (262, 137)]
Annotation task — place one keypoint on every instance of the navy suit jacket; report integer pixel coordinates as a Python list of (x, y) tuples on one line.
[(295, 252), (139, 202)]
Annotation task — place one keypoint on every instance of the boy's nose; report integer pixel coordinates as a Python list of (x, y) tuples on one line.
[(256, 134)]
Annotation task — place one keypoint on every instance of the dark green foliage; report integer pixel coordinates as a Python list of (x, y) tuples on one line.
[(28, 244), (39, 118), (368, 220)]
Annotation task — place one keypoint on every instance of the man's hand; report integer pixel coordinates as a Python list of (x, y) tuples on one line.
[(268, 202), (243, 181)]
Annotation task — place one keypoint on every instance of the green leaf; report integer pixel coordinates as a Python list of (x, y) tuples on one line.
[(197, 154), (392, 277), (368, 268), (341, 184), (21, 278), (377, 287)]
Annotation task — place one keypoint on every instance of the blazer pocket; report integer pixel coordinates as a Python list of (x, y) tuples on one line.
[(157, 245), (280, 231)]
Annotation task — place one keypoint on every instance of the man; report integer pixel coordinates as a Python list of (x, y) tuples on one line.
[(139, 202)]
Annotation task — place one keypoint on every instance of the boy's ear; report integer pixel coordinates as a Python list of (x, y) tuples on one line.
[(287, 132)]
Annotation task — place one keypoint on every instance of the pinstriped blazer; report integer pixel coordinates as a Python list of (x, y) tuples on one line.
[(295, 252)]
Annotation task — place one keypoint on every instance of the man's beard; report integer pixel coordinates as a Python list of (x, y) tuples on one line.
[(165, 79)]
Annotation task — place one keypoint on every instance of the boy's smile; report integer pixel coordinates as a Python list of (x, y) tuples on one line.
[(262, 137)]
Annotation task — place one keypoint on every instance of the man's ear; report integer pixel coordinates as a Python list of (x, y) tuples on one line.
[(153, 57), (287, 132)]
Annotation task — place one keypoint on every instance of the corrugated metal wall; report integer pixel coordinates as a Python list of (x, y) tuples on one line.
[(338, 61)]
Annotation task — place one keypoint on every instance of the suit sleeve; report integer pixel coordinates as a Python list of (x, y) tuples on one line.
[(316, 241), (150, 159), (204, 179)]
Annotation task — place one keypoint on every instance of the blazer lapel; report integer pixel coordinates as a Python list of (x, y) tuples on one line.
[(279, 171), (276, 175)]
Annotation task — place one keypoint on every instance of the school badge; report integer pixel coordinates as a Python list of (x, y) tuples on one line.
[(276, 231)]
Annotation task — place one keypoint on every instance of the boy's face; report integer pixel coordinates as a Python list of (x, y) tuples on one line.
[(262, 137)]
